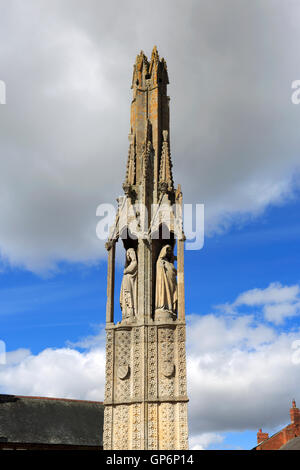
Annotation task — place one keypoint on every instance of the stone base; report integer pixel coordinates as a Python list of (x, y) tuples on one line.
[(164, 316), (145, 393), (167, 427)]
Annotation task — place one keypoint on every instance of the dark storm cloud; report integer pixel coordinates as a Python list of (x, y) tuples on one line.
[(67, 67)]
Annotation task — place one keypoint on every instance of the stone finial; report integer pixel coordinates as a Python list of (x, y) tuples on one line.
[(140, 71), (149, 72), (165, 171), (154, 55)]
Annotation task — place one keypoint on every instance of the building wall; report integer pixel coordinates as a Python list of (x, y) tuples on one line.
[(276, 441)]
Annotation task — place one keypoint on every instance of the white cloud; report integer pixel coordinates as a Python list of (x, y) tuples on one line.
[(63, 373), (203, 441), (17, 356), (226, 333), (274, 293), (67, 67), (278, 312), (241, 375), (239, 379), (277, 302)]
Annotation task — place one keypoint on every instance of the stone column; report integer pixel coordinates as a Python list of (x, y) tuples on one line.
[(144, 280), (180, 280), (111, 247)]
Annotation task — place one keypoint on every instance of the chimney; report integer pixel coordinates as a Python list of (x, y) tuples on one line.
[(262, 436), (295, 413)]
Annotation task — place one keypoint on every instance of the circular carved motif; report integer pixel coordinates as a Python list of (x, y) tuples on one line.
[(168, 368), (123, 370)]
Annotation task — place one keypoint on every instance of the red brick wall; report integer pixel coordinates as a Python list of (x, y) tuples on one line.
[(283, 436)]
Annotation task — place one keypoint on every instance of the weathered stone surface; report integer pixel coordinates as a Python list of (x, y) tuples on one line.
[(145, 392)]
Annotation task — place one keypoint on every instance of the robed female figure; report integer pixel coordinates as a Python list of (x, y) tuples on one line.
[(166, 282), (128, 294)]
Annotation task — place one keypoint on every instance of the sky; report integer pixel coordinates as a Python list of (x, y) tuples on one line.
[(67, 67)]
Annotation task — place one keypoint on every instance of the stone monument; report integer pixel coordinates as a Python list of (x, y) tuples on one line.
[(145, 391)]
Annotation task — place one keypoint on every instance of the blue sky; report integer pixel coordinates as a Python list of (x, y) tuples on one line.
[(235, 142), (39, 311), (52, 312)]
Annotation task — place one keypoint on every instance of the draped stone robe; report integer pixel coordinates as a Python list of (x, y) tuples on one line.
[(128, 294), (166, 282)]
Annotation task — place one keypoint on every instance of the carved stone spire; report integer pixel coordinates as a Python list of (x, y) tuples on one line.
[(140, 70), (165, 173), (130, 169), (150, 111), (158, 69)]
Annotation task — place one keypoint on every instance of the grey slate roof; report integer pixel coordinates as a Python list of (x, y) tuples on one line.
[(293, 444), (50, 421)]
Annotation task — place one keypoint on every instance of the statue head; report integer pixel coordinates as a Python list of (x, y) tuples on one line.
[(166, 252), (130, 255)]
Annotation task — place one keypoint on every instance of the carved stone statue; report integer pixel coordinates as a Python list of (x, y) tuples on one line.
[(128, 294), (166, 285)]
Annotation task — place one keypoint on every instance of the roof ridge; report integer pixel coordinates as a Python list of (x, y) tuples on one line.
[(51, 398)]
